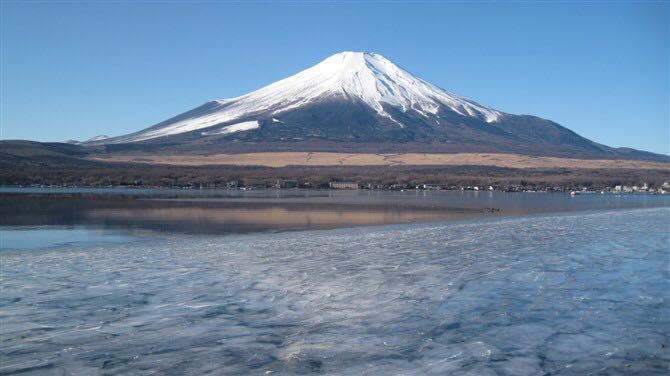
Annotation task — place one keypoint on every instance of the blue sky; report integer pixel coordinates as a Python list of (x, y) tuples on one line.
[(73, 70)]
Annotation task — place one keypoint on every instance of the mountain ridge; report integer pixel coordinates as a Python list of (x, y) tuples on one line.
[(358, 101)]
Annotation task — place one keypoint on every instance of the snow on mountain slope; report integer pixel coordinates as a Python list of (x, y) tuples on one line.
[(98, 138), (368, 77), (239, 127)]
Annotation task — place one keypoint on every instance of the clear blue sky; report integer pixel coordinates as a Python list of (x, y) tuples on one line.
[(73, 70)]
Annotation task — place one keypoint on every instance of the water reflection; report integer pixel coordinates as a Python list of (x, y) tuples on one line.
[(129, 212), (40, 237), (273, 217), (210, 216)]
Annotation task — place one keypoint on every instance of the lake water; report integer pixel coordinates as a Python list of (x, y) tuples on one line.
[(547, 285), (34, 218)]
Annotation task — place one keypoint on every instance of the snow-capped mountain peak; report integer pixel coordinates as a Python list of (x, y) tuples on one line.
[(355, 102), (366, 77), (375, 80)]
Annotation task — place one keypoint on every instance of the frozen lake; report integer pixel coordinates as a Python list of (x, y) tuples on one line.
[(563, 293)]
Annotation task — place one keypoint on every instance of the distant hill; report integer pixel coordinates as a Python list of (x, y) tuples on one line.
[(20, 156), (35, 163)]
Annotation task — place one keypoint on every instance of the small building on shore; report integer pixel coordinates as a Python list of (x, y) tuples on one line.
[(282, 184), (343, 185), (429, 187)]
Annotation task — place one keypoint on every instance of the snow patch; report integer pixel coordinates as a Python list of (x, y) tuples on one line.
[(239, 127), (98, 138)]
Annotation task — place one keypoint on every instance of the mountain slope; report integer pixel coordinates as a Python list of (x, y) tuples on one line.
[(358, 101)]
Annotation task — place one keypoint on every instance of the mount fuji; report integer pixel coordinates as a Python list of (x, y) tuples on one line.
[(356, 101)]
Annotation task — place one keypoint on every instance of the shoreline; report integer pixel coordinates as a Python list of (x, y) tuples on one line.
[(46, 189)]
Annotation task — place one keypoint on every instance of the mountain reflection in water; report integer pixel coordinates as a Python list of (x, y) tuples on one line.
[(208, 217), (225, 212)]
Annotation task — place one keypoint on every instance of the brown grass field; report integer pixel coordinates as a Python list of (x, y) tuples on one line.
[(284, 159)]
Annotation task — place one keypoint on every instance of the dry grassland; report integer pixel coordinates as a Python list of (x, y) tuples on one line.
[(283, 159)]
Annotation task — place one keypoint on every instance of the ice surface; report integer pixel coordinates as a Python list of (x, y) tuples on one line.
[(579, 294)]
